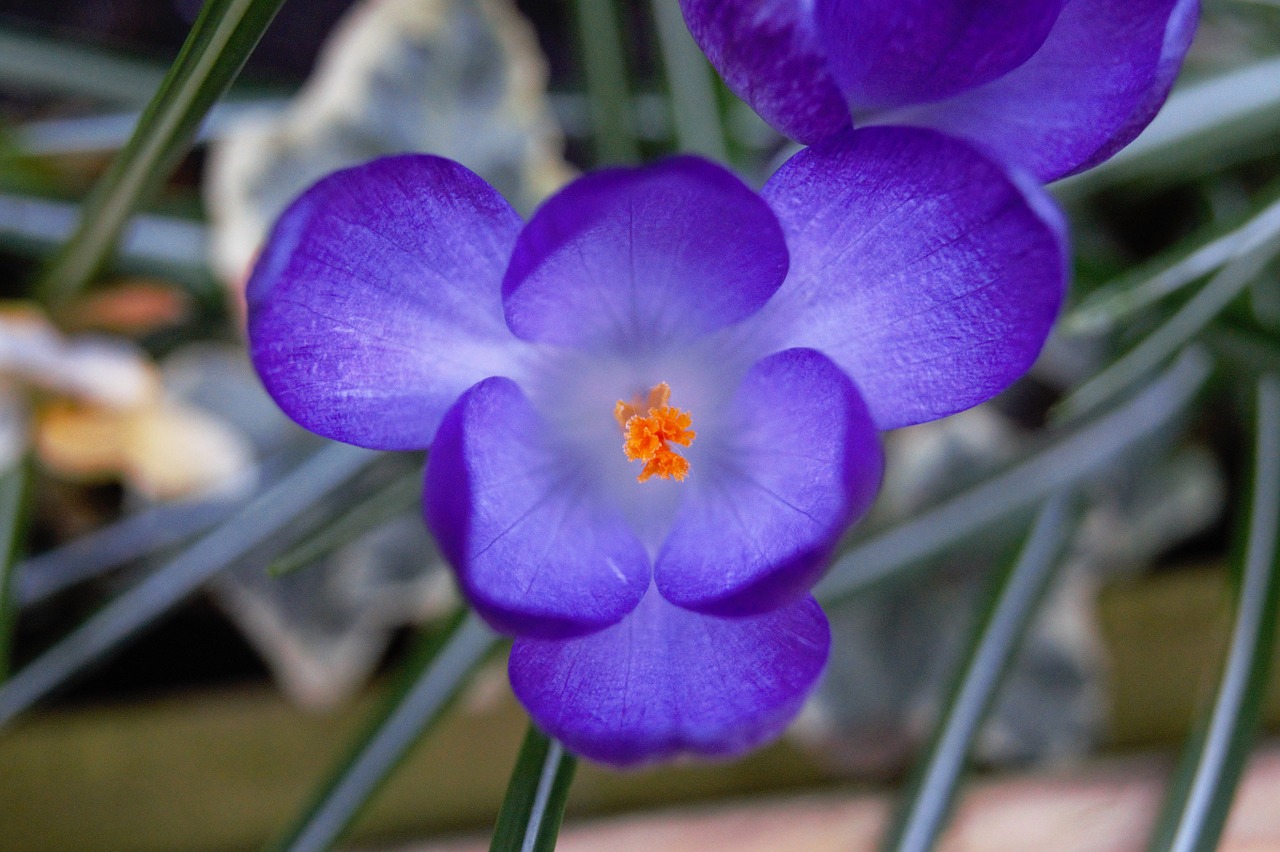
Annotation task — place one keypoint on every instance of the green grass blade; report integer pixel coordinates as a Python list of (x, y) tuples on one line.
[(1066, 459), (133, 537), (1200, 796), (1245, 350), (689, 80), (32, 63), (13, 489), (109, 132), (392, 501), (929, 796), (605, 67), (1170, 336), (140, 534), (534, 805), (158, 593), (434, 676), (1107, 306), (162, 245), (219, 43)]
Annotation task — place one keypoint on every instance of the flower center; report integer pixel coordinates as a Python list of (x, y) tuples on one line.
[(649, 427)]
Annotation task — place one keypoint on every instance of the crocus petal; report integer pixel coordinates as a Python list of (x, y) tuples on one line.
[(765, 507), (896, 52), (633, 258), (534, 550), (1099, 79), (922, 268), (666, 680), (376, 300), (768, 53)]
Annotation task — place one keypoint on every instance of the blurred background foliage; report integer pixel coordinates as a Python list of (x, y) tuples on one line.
[(216, 630)]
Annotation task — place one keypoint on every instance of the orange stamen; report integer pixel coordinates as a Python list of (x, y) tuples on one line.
[(649, 427)]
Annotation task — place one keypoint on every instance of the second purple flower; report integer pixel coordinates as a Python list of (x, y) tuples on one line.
[(1054, 86)]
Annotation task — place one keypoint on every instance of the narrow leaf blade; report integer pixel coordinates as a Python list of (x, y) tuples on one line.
[(219, 43), (35, 63), (394, 500), (1170, 336), (534, 804), (145, 532), (1106, 307), (1068, 458), (139, 606), (1199, 799), (13, 488), (600, 35), (690, 81), (929, 796), (433, 677)]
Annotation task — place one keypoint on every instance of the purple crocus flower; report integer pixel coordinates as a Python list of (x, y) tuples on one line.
[(653, 408), (1056, 86)]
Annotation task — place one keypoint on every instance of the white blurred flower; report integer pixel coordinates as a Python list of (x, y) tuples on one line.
[(462, 79), (94, 406)]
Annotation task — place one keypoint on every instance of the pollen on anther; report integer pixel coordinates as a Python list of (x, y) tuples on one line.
[(649, 426)]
